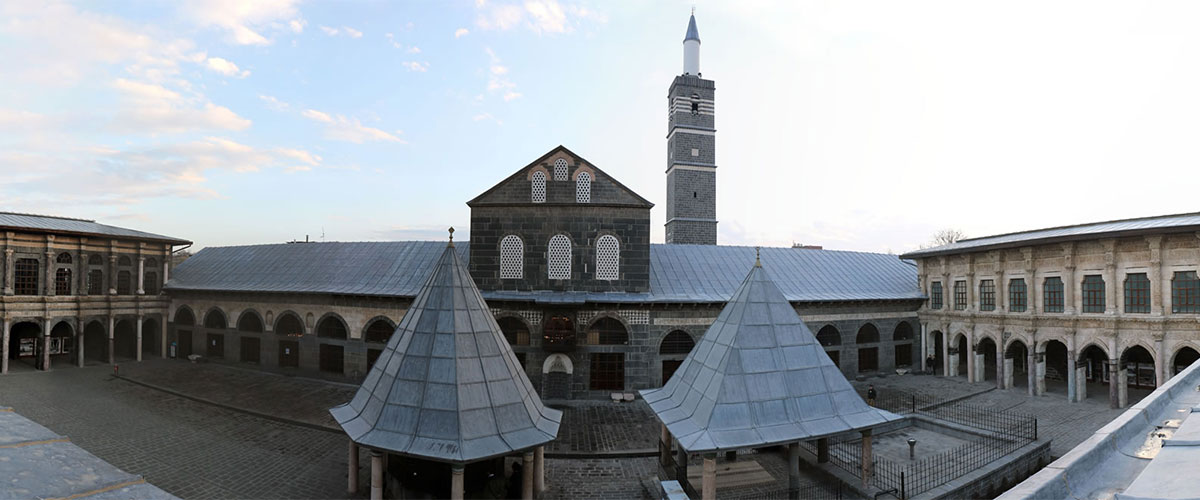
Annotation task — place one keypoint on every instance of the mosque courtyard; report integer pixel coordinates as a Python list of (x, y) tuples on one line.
[(221, 431)]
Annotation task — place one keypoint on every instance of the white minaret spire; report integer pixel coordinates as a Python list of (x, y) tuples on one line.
[(691, 48)]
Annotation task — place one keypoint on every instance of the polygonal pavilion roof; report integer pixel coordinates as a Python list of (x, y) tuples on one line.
[(758, 378), (448, 386)]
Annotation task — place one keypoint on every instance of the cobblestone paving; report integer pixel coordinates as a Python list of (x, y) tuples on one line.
[(605, 426), (189, 449)]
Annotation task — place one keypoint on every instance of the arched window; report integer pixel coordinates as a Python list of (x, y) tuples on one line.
[(184, 317), (63, 258), (124, 261), (379, 331), (538, 187), (676, 342), (868, 334), (214, 319), (608, 257), (512, 257), (150, 283), (829, 336), (607, 331), (515, 331), (95, 260), (331, 327), (559, 262), (560, 169), (124, 283), (95, 282), (903, 332), (583, 188), (62, 281), (249, 322), (289, 324)]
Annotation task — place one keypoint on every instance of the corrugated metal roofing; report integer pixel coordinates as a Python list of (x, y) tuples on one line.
[(679, 273), (1162, 223), (447, 386), (758, 378), (9, 220)]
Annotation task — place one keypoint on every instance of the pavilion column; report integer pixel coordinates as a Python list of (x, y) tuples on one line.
[(1113, 381), (111, 340), (868, 461), (527, 475), (352, 470), (539, 471), (45, 355), (794, 471), (708, 479), (823, 450), (681, 465), (664, 449), (4, 347), (376, 475), (456, 482), (139, 337)]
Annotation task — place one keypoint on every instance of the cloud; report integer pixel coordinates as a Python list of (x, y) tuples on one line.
[(149, 108), (353, 33), (539, 16), (416, 66), (329, 31), (486, 116), (226, 67), (245, 22), (497, 81), (341, 128), (274, 103), (344, 30), (461, 32)]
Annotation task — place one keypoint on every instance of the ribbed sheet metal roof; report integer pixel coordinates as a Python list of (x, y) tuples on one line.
[(15, 221), (1162, 223), (679, 273), (758, 378), (448, 387)]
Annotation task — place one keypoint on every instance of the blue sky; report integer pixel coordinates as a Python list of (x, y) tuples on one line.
[(853, 125)]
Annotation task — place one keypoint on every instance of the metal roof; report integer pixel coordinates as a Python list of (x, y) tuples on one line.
[(448, 386), (16, 221), (692, 32), (1116, 228), (678, 273), (758, 378)]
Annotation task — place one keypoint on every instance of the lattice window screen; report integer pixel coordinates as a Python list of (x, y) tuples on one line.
[(560, 257), (608, 254), (560, 169), (512, 257), (583, 188), (539, 187)]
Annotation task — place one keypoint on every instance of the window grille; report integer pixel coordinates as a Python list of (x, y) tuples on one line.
[(539, 187), (512, 257), (63, 258), (1093, 294), (560, 169), (1017, 295), (987, 295), (150, 283), (583, 188), (95, 282), (1185, 292), (25, 277), (960, 295), (608, 256), (1052, 291), (935, 295), (608, 372), (124, 283), (62, 282), (1137, 293), (559, 258)]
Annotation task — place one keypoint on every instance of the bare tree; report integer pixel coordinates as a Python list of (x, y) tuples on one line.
[(945, 237)]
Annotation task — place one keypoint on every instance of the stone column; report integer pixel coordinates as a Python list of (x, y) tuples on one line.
[(162, 337), (8, 271), (112, 274), (708, 480), (924, 346), (946, 352), (1110, 289), (539, 471), (794, 471), (527, 475), (1156, 275), (1031, 371), (139, 337), (1114, 401), (81, 275), (166, 267), (1008, 373), (352, 470), (1069, 286), (141, 277), (1160, 363), (45, 355), (823, 450), (376, 475), (111, 340), (4, 347), (1041, 373), (50, 264), (971, 354), (456, 482), (1003, 366), (868, 462), (1081, 383), (1122, 386), (681, 465), (953, 365), (79, 342), (664, 448), (1072, 393)]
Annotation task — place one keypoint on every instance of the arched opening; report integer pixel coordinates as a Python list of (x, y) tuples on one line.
[(1056, 367), (558, 333), (378, 332), (674, 347), (831, 340), (556, 376), (958, 357), (987, 347), (1139, 368), (607, 368), (902, 339), (249, 322), (288, 329), (939, 341), (95, 342), (214, 340), (215, 319), (184, 322), (1018, 352), (1094, 361), (332, 357), (24, 344), (868, 348), (62, 342), (125, 340), (1184, 358), (150, 338)]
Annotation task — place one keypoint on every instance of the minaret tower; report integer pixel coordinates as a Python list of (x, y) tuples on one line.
[(691, 151)]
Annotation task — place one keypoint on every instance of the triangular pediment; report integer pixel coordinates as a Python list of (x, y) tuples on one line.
[(517, 189)]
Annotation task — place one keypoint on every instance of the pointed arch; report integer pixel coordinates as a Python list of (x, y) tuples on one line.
[(215, 318), (288, 323), (332, 326), (184, 316), (379, 330), (676, 342), (829, 336), (250, 322)]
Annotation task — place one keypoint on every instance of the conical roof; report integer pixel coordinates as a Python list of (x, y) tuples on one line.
[(448, 386), (692, 32), (758, 378)]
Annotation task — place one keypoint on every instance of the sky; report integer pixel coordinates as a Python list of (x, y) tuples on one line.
[(855, 125)]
